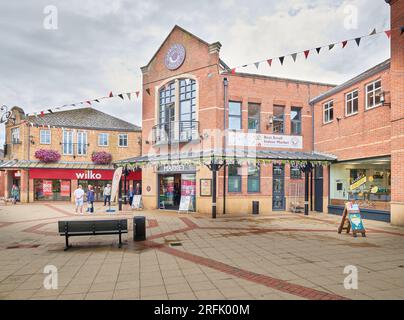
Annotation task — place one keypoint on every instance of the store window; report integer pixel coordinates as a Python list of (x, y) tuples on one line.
[(45, 137), (82, 143), (366, 181), (103, 139), (98, 187), (279, 119), (296, 120), (373, 93), (295, 172), (234, 115), (52, 190), (328, 111), (167, 98), (123, 140), (254, 117), (234, 178), (67, 142), (15, 135), (253, 182), (351, 103), (187, 126)]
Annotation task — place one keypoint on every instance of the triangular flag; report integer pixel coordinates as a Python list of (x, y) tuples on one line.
[(358, 41), (294, 55), (269, 62), (373, 32), (50, 111), (110, 94), (42, 113), (88, 102), (281, 60), (257, 64), (128, 94), (344, 43), (318, 50), (388, 33), (96, 100), (306, 53), (233, 71), (137, 94), (330, 46), (120, 96), (401, 30)]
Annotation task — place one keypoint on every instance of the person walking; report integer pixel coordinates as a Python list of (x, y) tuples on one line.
[(79, 197), (107, 195), (90, 199), (130, 195), (15, 193)]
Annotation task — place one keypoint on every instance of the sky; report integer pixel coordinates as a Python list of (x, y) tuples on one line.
[(100, 45)]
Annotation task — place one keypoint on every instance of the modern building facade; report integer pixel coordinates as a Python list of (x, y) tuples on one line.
[(73, 134)]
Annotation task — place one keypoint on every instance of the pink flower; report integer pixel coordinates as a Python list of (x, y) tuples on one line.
[(47, 156), (101, 157)]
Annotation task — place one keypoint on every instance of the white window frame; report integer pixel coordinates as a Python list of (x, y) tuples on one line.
[(119, 140), (102, 134), (327, 104), (15, 135), (65, 143), (82, 146), (367, 92), (41, 140), (347, 100)]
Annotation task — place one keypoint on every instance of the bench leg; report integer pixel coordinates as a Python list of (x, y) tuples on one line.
[(67, 243), (120, 240)]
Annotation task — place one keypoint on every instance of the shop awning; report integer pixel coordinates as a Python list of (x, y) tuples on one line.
[(24, 164), (231, 155)]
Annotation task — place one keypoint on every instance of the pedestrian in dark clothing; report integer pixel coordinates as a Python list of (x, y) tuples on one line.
[(90, 199)]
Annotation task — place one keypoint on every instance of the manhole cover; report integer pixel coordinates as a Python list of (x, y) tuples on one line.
[(175, 244)]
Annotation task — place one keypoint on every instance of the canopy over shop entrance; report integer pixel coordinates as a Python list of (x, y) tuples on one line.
[(214, 160)]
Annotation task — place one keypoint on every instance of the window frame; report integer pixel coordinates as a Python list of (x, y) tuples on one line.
[(292, 121), (258, 177), (238, 177), (119, 140), (352, 101), (107, 140), (70, 143), (13, 132), (80, 146), (374, 95), (257, 129), (40, 136), (328, 110), (240, 117), (277, 118)]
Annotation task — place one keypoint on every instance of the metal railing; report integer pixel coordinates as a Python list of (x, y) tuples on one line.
[(175, 132)]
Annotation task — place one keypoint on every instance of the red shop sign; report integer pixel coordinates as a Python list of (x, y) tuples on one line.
[(78, 174)]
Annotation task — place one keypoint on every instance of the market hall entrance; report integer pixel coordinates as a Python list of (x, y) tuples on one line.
[(174, 185)]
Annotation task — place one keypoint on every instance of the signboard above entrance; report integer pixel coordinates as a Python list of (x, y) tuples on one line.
[(176, 168), (241, 139)]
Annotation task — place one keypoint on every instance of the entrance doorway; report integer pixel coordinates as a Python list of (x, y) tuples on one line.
[(173, 186), (278, 187)]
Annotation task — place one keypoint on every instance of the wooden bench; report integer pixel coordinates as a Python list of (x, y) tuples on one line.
[(93, 228)]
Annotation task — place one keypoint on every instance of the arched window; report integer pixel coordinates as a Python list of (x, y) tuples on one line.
[(166, 101)]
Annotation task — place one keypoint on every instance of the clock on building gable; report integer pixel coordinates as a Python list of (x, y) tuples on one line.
[(175, 57)]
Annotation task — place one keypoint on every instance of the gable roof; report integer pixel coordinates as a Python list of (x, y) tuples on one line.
[(364, 75), (84, 118), (165, 40)]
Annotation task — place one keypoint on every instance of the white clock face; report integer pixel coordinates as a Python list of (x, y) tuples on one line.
[(175, 57)]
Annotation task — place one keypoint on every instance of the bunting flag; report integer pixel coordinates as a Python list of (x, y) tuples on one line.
[(96, 100), (344, 43), (358, 41), (89, 102), (128, 94), (306, 53), (233, 71), (120, 96), (148, 91), (269, 62), (318, 50), (294, 56), (330, 46), (110, 94), (373, 32), (388, 33), (137, 94), (50, 111), (281, 60), (257, 65)]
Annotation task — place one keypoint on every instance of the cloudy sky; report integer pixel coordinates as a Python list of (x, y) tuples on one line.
[(99, 45)]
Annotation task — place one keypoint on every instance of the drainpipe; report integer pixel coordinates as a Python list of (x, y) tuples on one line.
[(225, 86)]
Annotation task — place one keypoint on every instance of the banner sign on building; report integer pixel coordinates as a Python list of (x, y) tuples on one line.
[(258, 140), (358, 183), (65, 188), (115, 183), (47, 188)]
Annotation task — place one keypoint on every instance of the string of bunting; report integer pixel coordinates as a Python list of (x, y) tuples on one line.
[(307, 52)]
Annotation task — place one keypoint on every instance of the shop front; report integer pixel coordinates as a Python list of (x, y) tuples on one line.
[(59, 184), (175, 181), (367, 182)]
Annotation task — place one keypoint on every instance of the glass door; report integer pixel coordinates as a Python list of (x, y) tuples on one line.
[(278, 187)]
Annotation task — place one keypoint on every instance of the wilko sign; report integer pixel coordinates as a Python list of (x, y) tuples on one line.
[(89, 175), (241, 139), (72, 174)]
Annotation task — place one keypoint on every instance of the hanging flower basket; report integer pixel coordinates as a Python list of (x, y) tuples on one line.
[(47, 156), (101, 157)]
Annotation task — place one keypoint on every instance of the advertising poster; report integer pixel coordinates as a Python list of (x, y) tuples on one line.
[(65, 188), (47, 187)]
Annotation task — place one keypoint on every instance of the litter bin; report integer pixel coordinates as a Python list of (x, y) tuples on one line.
[(139, 228), (255, 207)]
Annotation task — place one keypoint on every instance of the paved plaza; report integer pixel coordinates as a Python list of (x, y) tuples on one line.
[(190, 256)]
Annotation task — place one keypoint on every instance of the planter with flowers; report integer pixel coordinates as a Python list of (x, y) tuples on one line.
[(47, 156), (101, 157)]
